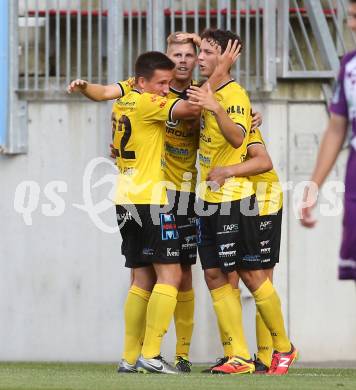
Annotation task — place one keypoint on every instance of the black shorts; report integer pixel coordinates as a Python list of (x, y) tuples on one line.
[(148, 236), (270, 239), (229, 239), (183, 209)]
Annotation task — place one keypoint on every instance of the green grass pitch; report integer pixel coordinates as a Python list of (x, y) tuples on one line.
[(57, 376)]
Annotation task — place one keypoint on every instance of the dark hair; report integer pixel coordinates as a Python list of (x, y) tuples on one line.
[(148, 62), (352, 1), (221, 37)]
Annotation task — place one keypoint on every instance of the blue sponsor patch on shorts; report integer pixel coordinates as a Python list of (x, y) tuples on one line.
[(169, 229)]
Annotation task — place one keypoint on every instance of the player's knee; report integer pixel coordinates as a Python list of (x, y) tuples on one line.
[(170, 274), (144, 280), (187, 279), (253, 279), (233, 279), (269, 274), (214, 278)]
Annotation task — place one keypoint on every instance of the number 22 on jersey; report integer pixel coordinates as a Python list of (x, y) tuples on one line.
[(121, 130)]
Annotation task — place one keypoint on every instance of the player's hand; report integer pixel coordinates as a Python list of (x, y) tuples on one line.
[(218, 175), (195, 37), (256, 120), (230, 55), (113, 152), (310, 199), (202, 98), (77, 85)]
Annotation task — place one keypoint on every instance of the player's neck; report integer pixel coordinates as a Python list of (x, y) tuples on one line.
[(137, 88), (180, 85), (225, 79)]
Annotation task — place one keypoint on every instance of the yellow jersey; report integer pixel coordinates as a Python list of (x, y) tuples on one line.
[(180, 145), (126, 86), (267, 186), (138, 129), (215, 151)]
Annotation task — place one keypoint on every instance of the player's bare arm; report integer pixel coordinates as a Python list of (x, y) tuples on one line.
[(185, 110), (330, 148), (259, 161), (96, 92), (233, 133)]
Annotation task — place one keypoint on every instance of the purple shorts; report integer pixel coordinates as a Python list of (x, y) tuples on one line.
[(347, 265)]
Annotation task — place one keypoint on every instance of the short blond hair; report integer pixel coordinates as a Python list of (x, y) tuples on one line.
[(173, 40)]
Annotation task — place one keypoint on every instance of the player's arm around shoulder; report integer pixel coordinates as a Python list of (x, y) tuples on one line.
[(184, 109), (259, 158), (153, 107), (96, 92), (259, 161)]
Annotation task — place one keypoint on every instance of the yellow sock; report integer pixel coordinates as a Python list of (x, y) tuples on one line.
[(135, 316), (264, 341), (184, 321), (237, 294), (224, 340), (269, 306), (229, 315), (160, 311)]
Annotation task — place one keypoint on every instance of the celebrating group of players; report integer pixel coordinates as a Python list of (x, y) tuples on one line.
[(162, 120)]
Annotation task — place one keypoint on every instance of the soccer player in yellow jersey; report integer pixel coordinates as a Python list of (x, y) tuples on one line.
[(229, 236), (181, 143), (159, 245), (150, 244)]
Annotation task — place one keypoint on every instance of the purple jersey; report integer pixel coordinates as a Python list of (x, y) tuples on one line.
[(344, 100), (344, 103)]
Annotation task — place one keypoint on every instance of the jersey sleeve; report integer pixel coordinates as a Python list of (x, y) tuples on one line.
[(126, 86), (156, 108), (239, 111), (338, 103), (255, 138)]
